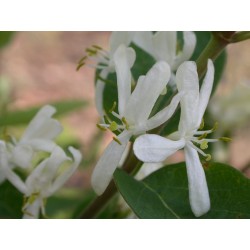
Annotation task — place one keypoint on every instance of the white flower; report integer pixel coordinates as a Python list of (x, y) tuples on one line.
[(105, 62), (162, 46), (134, 111), (39, 135), (46, 179), (154, 148)]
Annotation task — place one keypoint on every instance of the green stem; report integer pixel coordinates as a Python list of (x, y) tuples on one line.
[(101, 201), (240, 36), (217, 43)]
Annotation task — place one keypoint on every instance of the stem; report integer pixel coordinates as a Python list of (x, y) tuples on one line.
[(240, 36), (216, 45), (100, 202)]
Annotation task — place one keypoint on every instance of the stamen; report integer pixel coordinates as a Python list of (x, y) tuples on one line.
[(202, 136), (209, 157), (197, 149), (125, 122), (113, 126), (113, 107), (101, 127), (204, 144), (216, 124), (225, 139), (117, 140), (116, 115), (80, 65)]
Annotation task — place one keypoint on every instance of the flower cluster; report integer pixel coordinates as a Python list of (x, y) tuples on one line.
[(135, 104), (48, 176)]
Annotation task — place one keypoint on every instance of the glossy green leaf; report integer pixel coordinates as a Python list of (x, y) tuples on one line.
[(20, 117), (164, 194), (11, 202)]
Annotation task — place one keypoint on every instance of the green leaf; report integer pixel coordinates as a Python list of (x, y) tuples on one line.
[(20, 117), (164, 194), (5, 37), (11, 202)]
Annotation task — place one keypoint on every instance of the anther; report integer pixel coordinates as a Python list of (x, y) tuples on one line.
[(225, 139), (215, 126), (209, 157), (204, 145), (101, 127), (125, 122), (202, 136), (117, 140)]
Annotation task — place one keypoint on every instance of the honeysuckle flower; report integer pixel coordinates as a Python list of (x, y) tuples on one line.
[(46, 179), (154, 148), (162, 45), (133, 113), (104, 61), (39, 135)]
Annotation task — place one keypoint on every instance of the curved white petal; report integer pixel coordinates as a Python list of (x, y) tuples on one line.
[(206, 89), (144, 40), (31, 211), (42, 144), (146, 93), (61, 179), (188, 83), (119, 37), (163, 115), (108, 162), (198, 190), (38, 121), (155, 148), (188, 48), (99, 91), (22, 155), (123, 58), (165, 46)]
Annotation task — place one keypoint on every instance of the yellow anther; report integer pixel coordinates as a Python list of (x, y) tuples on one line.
[(209, 157), (204, 145), (202, 136), (80, 65), (225, 139), (202, 124), (82, 59), (113, 107), (125, 122), (91, 52), (117, 140), (97, 47), (101, 127), (216, 124), (113, 126)]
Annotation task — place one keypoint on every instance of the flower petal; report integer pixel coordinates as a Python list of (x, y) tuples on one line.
[(198, 190), (206, 89), (122, 60), (188, 48), (144, 40), (163, 115), (155, 148), (188, 83), (38, 122), (146, 93), (22, 155), (61, 179), (165, 46), (99, 91), (119, 37), (108, 162), (31, 211)]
